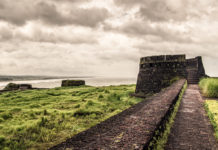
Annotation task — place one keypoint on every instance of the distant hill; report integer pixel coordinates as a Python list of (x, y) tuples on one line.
[(25, 77)]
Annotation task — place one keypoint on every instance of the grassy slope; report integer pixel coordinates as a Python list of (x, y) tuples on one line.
[(212, 109), (38, 119), (209, 87)]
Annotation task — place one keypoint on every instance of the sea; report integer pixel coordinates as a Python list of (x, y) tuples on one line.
[(94, 81)]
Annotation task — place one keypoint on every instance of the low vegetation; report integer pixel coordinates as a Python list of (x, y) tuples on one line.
[(211, 107), (39, 119), (209, 87)]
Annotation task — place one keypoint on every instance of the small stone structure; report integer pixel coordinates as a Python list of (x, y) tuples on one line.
[(66, 83), (25, 86), (157, 72), (13, 86)]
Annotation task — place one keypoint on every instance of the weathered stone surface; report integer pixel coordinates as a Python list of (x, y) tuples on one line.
[(130, 129), (157, 72), (25, 86), (66, 83), (13, 86), (191, 129)]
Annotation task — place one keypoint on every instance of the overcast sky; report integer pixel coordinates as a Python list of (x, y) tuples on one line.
[(103, 37)]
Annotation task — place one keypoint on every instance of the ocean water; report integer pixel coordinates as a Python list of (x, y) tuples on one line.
[(52, 83)]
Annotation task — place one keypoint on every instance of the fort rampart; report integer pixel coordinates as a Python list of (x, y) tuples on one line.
[(157, 72)]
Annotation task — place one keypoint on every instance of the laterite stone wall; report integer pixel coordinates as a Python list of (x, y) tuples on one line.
[(157, 72)]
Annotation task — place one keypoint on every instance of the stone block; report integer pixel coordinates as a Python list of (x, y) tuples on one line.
[(66, 83)]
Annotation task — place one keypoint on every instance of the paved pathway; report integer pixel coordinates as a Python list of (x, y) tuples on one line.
[(192, 129), (131, 129)]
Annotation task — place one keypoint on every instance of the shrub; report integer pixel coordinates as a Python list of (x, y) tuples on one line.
[(209, 87)]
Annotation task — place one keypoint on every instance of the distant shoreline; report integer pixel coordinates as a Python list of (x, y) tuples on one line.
[(8, 78), (56, 82)]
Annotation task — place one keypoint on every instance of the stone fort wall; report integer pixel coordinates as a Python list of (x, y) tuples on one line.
[(157, 72)]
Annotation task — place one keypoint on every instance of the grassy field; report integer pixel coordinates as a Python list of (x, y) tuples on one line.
[(39, 119), (209, 87), (211, 107)]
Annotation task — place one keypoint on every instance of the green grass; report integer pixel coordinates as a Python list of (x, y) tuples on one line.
[(211, 107), (39, 119), (209, 87), (158, 143)]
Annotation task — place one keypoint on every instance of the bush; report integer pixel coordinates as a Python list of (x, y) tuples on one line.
[(209, 87)]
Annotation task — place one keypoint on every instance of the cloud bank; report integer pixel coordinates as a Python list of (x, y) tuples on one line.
[(103, 38)]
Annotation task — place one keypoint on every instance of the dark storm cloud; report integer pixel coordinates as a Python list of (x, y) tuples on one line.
[(19, 13)]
